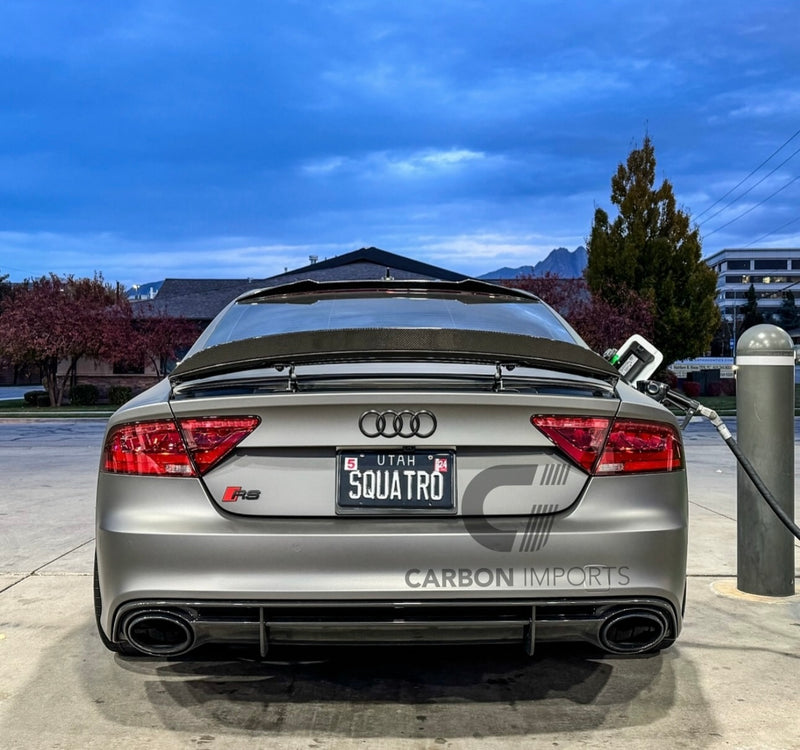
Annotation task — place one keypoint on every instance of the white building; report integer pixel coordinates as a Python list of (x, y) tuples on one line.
[(771, 271)]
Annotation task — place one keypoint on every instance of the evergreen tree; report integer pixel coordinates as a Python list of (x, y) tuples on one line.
[(787, 316), (751, 315), (650, 249)]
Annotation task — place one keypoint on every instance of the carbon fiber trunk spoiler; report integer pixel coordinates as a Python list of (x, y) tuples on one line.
[(392, 345)]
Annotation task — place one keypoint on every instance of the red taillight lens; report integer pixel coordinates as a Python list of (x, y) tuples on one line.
[(147, 448), (634, 446), (624, 446), (157, 447), (210, 440), (581, 438)]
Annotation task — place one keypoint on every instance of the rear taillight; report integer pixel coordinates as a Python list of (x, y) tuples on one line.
[(147, 448), (581, 438), (605, 446), (158, 448), (637, 446), (210, 440)]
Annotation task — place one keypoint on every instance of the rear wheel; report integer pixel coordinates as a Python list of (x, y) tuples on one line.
[(120, 648)]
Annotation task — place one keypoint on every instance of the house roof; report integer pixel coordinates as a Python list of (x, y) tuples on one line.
[(406, 268), (202, 299)]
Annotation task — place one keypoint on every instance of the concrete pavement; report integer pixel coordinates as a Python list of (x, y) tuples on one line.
[(730, 681)]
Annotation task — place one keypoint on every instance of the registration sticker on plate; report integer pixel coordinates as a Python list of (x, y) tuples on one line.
[(416, 480)]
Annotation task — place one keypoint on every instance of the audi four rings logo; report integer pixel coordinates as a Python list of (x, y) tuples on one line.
[(404, 424)]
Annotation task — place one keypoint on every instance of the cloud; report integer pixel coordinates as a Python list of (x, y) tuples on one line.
[(380, 164), (761, 104), (24, 255), (433, 161), (173, 138)]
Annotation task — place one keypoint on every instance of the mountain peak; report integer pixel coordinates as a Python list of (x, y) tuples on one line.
[(568, 264)]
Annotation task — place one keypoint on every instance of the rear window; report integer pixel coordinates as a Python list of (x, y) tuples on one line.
[(387, 309)]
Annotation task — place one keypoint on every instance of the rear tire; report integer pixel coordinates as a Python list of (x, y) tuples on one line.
[(124, 649)]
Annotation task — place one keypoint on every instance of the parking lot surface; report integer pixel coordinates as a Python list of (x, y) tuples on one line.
[(730, 681)]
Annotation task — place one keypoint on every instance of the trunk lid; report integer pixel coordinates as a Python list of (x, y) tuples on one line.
[(397, 452)]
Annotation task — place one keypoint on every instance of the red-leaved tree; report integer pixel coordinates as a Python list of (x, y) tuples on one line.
[(52, 320), (602, 325), (162, 337)]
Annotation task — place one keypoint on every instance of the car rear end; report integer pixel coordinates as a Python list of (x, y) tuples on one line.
[(431, 497)]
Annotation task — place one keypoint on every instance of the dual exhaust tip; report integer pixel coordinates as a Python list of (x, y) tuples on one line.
[(171, 632), (159, 632), (633, 631)]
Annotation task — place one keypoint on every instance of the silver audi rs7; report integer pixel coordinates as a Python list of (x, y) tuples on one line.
[(390, 462)]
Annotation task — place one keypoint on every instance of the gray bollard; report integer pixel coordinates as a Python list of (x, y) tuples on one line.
[(765, 433)]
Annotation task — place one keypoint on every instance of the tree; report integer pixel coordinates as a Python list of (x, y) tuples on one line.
[(751, 315), (787, 316), (650, 250), (567, 296), (52, 320), (601, 324), (163, 337)]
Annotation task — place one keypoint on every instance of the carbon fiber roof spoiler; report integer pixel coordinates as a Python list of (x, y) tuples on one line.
[(392, 345)]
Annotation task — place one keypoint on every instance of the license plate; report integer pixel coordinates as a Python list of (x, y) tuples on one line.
[(416, 480)]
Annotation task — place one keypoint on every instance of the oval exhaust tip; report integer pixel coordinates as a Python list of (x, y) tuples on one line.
[(633, 631), (159, 633)]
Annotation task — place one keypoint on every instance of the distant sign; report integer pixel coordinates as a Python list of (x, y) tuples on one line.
[(683, 367)]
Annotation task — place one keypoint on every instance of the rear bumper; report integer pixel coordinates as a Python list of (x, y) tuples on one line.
[(163, 546), (617, 625)]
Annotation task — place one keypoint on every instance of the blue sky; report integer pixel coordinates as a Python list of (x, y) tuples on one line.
[(157, 138)]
